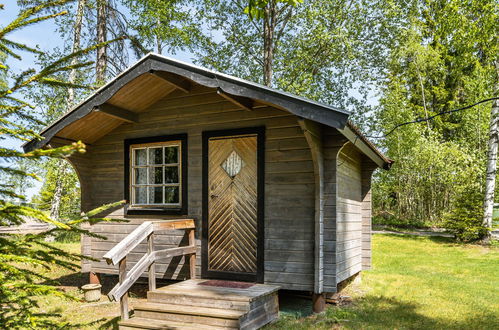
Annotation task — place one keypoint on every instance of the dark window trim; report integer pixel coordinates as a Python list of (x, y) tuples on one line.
[(156, 210), (249, 277)]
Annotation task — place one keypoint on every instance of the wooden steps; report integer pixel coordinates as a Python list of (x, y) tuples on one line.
[(190, 305), (141, 323)]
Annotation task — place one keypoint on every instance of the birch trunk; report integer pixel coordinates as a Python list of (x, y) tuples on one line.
[(490, 179), (56, 200), (76, 47), (101, 60), (269, 21)]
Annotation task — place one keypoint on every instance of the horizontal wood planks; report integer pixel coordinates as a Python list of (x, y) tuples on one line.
[(368, 168), (349, 212), (289, 182)]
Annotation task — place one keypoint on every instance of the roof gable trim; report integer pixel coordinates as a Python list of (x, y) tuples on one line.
[(152, 63)]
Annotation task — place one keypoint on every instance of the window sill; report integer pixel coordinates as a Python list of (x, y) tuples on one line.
[(153, 211)]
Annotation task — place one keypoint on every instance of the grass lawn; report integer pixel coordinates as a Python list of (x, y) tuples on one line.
[(104, 313), (415, 283), (418, 283)]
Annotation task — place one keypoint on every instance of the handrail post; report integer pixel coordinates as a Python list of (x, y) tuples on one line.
[(124, 298), (192, 257), (152, 267)]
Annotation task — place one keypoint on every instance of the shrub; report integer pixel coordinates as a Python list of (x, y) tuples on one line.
[(465, 218)]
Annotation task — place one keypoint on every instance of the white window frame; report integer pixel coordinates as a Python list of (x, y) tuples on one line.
[(133, 166)]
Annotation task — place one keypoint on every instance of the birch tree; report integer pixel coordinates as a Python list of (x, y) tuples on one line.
[(318, 49), (445, 58), (101, 58), (491, 172), (61, 164), (22, 256)]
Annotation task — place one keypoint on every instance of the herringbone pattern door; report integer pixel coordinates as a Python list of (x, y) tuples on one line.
[(232, 204)]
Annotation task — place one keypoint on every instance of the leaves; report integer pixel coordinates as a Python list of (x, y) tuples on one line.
[(441, 61), (23, 256)]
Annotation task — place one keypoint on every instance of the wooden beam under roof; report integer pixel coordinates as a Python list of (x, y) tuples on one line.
[(117, 112), (173, 80), (313, 134), (243, 102)]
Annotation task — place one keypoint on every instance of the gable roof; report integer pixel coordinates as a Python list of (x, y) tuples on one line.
[(299, 106)]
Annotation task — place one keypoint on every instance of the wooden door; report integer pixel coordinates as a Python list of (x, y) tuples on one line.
[(232, 202)]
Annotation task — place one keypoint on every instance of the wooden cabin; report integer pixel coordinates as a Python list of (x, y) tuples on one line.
[(278, 185)]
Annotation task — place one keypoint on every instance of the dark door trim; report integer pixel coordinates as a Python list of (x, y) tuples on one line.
[(259, 276)]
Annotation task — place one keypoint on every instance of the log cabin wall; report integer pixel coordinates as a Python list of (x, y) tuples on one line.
[(349, 202), (332, 143), (289, 183), (368, 167)]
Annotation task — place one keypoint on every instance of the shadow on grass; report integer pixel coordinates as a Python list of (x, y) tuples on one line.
[(77, 280), (294, 306), (449, 241), (110, 324), (378, 313), (382, 312)]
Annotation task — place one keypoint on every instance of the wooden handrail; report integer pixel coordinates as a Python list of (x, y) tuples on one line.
[(118, 255), (123, 248)]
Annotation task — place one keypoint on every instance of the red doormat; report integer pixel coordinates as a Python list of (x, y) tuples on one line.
[(227, 284)]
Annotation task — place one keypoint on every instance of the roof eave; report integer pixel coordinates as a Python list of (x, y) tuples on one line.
[(358, 139), (301, 107)]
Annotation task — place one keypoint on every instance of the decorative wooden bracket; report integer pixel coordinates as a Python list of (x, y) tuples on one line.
[(243, 102), (117, 112), (173, 80)]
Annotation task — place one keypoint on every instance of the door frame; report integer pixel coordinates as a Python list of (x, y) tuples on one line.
[(205, 273)]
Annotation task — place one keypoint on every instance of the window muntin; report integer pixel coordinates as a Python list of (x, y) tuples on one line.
[(156, 174)]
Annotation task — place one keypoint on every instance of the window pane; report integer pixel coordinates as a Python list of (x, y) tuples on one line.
[(171, 195), (140, 195), (140, 157), (171, 155), (155, 195), (156, 155), (141, 175), (171, 174), (155, 175)]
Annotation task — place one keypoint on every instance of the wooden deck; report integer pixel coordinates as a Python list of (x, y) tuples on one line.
[(192, 305)]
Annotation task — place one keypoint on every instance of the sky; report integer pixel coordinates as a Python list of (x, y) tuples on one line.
[(43, 36)]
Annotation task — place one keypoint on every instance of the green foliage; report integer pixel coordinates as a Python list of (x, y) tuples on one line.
[(328, 51), (256, 8), (59, 170), (442, 59), (163, 25), (466, 217), (22, 256)]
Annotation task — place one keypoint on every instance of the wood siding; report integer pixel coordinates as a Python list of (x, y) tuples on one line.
[(368, 168), (332, 143), (289, 184), (348, 213)]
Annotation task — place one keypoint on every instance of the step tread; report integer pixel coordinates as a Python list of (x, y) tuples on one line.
[(153, 324), (190, 310), (192, 288)]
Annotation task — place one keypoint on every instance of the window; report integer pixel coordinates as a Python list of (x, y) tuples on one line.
[(156, 174)]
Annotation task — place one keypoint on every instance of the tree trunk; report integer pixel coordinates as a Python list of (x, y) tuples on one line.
[(76, 47), (490, 179), (101, 37), (269, 22), (56, 200)]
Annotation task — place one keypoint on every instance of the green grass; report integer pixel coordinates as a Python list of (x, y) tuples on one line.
[(418, 283), (415, 283)]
